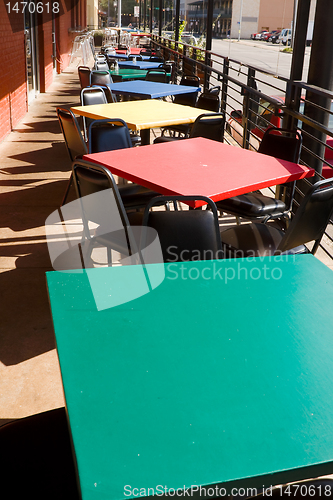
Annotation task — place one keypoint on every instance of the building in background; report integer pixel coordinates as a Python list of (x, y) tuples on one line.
[(34, 47), (253, 16), (92, 14)]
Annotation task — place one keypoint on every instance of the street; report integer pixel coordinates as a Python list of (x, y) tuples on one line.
[(267, 56)]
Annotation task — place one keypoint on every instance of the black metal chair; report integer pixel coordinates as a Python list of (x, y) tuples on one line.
[(208, 125), (209, 101), (308, 224), (37, 459), (185, 234), (169, 67), (191, 98), (107, 135), (281, 143), (101, 65), (156, 59), (84, 76), (105, 212), (157, 75), (75, 145), (90, 96), (100, 78)]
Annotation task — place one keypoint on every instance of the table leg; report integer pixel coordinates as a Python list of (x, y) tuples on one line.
[(145, 136)]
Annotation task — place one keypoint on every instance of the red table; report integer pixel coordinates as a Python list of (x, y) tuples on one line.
[(199, 167)]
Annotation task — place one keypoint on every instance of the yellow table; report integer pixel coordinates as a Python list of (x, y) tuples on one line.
[(141, 116)]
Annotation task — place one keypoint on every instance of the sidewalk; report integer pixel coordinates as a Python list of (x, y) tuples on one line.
[(34, 168)]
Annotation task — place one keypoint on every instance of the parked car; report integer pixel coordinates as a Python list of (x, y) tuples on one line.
[(285, 37), (274, 37), (258, 36), (268, 36)]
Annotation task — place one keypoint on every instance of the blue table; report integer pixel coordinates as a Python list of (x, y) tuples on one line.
[(178, 388), (139, 64), (127, 57), (150, 90)]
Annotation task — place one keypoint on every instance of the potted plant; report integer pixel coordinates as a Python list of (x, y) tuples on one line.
[(98, 38)]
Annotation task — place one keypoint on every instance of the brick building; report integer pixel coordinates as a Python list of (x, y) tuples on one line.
[(36, 42)]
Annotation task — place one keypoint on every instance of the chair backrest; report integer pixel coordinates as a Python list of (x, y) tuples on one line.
[(84, 76), (169, 67), (109, 214), (185, 234), (209, 101), (93, 95), (284, 144), (89, 96), (281, 143), (146, 52), (75, 144), (190, 98), (157, 75), (100, 78), (101, 66), (110, 97), (209, 125), (214, 90), (311, 218), (107, 135), (156, 59)]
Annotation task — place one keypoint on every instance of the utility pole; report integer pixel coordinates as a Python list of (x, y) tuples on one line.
[(240, 20)]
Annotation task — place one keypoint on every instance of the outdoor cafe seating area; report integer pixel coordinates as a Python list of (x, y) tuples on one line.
[(184, 297)]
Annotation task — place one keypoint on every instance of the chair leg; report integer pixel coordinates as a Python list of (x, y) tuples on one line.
[(69, 184)]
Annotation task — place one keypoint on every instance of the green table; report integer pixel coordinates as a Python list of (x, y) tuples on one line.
[(129, 74), (222, 375)]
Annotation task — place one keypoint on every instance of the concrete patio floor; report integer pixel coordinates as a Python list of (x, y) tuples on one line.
[(34, 170)]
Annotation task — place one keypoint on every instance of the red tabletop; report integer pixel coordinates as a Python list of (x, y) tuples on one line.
[(199, 166)]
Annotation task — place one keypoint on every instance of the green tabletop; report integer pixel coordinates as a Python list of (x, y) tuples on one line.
[(129, 74), (222, 375)]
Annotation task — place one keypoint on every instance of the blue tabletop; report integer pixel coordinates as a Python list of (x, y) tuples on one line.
[(139, 64), (126, 57), (152, 90)]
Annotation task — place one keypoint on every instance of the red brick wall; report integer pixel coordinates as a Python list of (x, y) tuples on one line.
[(13, 84), (13, 87)]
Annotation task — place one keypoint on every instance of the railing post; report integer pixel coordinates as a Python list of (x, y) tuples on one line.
[(320, 75), (303, 10), (160, 18), (249, 108), (224, 93)]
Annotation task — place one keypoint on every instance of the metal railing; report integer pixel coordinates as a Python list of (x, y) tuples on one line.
[(254, 99)]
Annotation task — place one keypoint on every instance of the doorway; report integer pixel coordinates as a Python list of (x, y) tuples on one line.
[(31, 51)]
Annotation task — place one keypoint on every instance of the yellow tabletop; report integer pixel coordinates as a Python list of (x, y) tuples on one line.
[(145, 114)]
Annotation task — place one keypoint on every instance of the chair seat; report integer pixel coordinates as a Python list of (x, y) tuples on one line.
[(37, 458), (164, 138), (254, 240), (134, 195), (183, 128), (252, 205)]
